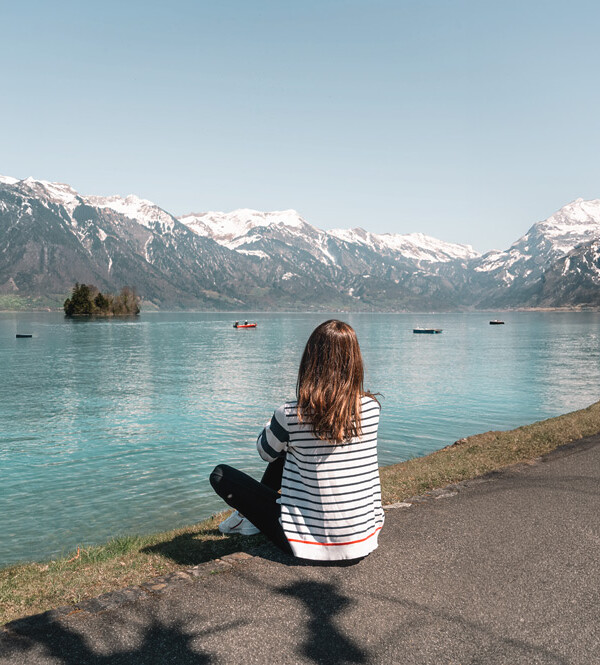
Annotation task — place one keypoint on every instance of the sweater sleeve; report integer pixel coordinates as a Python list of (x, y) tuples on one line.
[(272, 441)]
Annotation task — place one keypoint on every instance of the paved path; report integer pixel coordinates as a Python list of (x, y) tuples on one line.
[(504, 571)]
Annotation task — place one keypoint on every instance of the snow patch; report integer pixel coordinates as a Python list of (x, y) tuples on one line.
[(417, 246), (254, 252), (53, 192), (225, 227), (147, 251), (144, 212)]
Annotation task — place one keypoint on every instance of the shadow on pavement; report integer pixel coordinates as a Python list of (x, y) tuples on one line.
[(159, 644), (188, 550), (269, 552), (156, 643), (324, 643)]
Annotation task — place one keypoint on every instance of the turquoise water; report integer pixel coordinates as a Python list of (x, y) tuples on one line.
[(112, 427)]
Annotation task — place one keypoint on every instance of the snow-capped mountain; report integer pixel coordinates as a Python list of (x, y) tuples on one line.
[(234, 229), (52, 236), (416, 246), (54, 193), (225, 227), (142, 211), (546, 241), (509, 278)]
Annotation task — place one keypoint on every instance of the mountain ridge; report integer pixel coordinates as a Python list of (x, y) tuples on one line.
[(52, 236)]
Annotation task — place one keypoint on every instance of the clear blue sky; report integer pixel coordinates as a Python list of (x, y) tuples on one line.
[(466, 120)]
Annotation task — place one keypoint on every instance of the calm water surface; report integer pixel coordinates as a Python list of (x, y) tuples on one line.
[(112, 427)]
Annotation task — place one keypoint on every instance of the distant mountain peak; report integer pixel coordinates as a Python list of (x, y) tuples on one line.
[(417, 246), (55, 192), (225, 227), (143, 211), (546, 241), (577, 212)]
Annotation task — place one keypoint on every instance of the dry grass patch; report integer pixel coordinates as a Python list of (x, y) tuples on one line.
[(130, 560), (486, 452)]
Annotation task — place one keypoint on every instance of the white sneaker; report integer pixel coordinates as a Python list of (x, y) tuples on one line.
[(237, 523)]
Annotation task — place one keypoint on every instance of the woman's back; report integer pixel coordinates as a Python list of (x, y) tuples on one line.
[(330, 492)]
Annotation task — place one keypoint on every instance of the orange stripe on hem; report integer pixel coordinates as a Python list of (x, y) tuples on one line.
[(349, 542)]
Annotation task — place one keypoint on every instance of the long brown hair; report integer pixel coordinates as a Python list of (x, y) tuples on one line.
[(330, 382)]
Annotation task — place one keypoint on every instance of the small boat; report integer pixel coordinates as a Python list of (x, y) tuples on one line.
[(496, 322), (246, 324), (427, 331), (23, 335)]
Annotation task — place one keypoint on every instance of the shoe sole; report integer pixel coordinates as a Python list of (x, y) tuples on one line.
[(239, 532)]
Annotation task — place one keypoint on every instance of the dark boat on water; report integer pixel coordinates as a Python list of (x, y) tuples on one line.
[(496, 322), (23, 335), (427, 331)]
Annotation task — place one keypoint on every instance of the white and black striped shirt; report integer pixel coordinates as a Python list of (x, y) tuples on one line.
[(330, 493)]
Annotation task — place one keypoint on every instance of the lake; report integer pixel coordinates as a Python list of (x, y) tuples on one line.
[(112, 426)]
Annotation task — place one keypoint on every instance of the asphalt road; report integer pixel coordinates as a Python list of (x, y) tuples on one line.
[(504, 571)]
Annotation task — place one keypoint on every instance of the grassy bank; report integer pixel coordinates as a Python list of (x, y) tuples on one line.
[(130, 560), (15, 303)]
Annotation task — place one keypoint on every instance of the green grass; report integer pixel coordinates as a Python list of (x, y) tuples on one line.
[(15, 303), (129, 560)]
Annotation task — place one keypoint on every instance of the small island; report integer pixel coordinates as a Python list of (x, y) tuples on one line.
[(87, 300)]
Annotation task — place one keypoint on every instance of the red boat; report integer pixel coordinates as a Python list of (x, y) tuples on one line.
[(246, 324)]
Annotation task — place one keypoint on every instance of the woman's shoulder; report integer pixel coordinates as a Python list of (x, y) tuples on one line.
[(369, 402), (286, 410)]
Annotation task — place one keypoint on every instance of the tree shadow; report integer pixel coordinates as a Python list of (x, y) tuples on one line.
[(160, 643), (324, 643)]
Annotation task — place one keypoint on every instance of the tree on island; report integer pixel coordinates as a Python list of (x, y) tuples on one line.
[(87, 300)]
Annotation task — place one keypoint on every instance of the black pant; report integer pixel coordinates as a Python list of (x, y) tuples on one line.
[(254, 500)]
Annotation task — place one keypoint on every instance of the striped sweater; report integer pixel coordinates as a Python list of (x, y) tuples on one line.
[(330, 494)]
